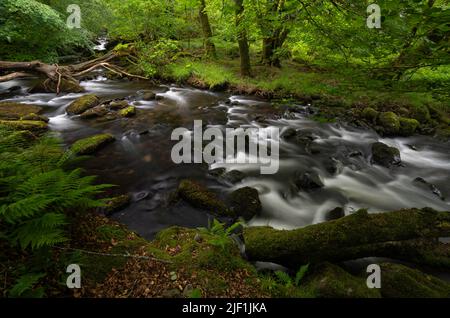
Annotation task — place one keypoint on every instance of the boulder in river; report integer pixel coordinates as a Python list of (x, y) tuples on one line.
[(15, 111), (66, 86), (82, 104), (389, 123), (97, 111), (201, 197), (309, 180), (90, 145), (333, 166), (117, 105), (233, 176), (148, 95), (421, 182), (117, 203), (370, 114), (33, 126), (245, 203), (130, 111), (384, 155), (408, 126), (35, 117)]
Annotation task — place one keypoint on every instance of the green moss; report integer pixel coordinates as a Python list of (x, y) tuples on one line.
[(15, 111), (35, 117), (117, 203), (420, 113), (82, 104), (92, 144), (202, 198), (30, 125), (331, 281), (128, 112), (399, 281), (408, 126), (389, 122), (370, 114)]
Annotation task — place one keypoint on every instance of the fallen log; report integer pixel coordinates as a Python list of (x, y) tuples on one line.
[(393, 234), (61, 78)]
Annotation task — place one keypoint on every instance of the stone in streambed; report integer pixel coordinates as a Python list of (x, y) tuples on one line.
[(333, 166), (66, 86), (82, 104), (408, 126), (245, 203), (389, 123), (117, 105), (421, 182), (370, 114), (15, 111), (130, 111), (33, 126), (35, 117), (97, 111), (117, 203), (308, 181), (202, 198), (384, 155), (90, 145), (148, 95), (233, 176)]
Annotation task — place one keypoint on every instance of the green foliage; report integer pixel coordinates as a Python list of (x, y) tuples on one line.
[(37, 192), (300, 274), (195, 293), (32, 30), (25, 287), (217, 234), (155, 55), (287, 281)]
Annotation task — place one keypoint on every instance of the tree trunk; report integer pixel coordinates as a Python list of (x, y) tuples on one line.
[(244, 50), (397, 234), (210, 48)]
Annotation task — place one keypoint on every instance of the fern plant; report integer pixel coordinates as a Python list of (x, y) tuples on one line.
[(218, 234), (36, 190), (287, 281)]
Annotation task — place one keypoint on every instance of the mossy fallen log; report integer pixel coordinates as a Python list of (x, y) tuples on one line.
[(358, 235)]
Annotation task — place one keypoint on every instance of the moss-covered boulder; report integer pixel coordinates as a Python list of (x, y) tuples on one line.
[(117, 203), (421, 114), (35, 117), (97, 111), (117, 105), (389, 123), (15, 111), (200, 197), (130, 111), (370, 114), (331, 281), (245, 203), (408, 126), (30, 125), (399, 281), (384, 155), (90, 145), (82, 104)]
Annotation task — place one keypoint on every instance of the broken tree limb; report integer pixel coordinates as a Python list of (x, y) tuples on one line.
[(356, 236)]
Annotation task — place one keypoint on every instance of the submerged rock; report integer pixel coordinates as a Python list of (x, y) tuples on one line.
[(333, 166), (245, 203), (15, 111), (233, 176), (389, 122), (308, 181), (202, 198), (82, 104), (90, 145), (429, 186), (384, 155)]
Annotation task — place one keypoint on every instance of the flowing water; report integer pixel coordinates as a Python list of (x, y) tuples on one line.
[(139, 162)]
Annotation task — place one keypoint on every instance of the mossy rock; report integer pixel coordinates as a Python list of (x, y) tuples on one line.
[(202, 198), (331, 281), (117, 105), (408, 126), (245, 203), (30, 125), (35, 117), (128, 112), (117, 203), (421, 114), (98, 111), (82, 104), (389, 122), (15, 111), (384, 155), (399, 281), (370, 114), (90, 145)]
